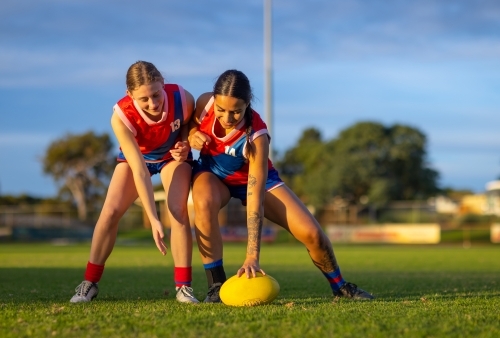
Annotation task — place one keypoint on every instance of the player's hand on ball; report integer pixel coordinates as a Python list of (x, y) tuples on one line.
[(158, 235), (198, 140), (250, 267)]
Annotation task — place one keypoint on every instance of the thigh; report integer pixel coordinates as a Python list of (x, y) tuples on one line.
[(121, 191), (209, 191), (284, 208)]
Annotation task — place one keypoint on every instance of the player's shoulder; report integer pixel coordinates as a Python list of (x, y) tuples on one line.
[(257, 121), (203, 99), (201, 106), (172, 87), (177, 88)]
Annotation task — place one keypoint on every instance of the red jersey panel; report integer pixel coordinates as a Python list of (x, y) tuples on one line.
[(226, 156), (155, 139)]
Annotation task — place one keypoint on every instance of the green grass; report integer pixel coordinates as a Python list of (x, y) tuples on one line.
[(422, 291)]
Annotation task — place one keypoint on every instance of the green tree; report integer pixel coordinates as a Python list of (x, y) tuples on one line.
[(302, 168), (366, 159), (81, 164), (383, 163)]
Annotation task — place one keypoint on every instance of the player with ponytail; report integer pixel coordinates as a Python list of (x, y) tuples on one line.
[(234, 162), (151, 125)]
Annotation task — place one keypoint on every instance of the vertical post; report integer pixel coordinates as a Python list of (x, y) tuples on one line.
[(268, 73)]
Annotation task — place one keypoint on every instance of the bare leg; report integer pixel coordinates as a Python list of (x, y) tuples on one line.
[(209, 196), (176, 178), (121, 194), (284, 208)]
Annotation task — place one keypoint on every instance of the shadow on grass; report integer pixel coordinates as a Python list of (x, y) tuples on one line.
[(306, 287)]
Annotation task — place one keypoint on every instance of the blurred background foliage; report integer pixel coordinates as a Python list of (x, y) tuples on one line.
[(367, 163), (369, 173)]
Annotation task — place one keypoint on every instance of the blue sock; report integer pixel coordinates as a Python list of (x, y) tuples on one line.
[(335, 279)]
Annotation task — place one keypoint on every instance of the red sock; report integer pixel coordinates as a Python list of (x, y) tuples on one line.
[(93, 272), (182, 276)]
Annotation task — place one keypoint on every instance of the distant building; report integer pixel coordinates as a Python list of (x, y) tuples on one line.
[(444, 205), (473, 204), (493, 198)]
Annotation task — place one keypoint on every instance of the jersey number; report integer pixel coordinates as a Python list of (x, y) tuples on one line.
[(175, 125), (230, 151)]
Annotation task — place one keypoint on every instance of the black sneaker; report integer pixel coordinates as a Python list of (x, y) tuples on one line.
[(350, 290), (213, 294)]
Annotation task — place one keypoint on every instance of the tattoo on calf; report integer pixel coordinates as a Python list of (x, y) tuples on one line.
[(327, 262), (254, 224)]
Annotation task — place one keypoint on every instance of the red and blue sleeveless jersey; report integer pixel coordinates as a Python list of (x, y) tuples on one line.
[(155, 139), (226, 156)]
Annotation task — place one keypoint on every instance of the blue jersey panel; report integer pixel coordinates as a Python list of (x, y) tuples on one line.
[(225, 165)]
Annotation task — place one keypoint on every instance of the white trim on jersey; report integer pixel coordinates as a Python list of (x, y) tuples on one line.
[(255, 135), (258, 133), (231, 133), (206, 109), (163, 115), (124, 119)]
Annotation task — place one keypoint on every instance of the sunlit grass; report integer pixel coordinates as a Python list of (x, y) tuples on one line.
[(421, 291)]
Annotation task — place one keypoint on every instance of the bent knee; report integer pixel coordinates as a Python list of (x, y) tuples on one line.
[(178, 211), (314, 239), (110, 215), (203, 204)]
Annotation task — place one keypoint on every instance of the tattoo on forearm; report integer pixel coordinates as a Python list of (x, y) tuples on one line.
[(249, 193), (252, 181), (254, 224), (327, 262)]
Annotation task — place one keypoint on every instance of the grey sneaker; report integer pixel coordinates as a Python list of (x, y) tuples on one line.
[(350, 290), (213, 294), (185, 295), (85, 292)]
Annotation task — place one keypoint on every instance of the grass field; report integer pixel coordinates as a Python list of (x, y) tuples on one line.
[(435, 291)]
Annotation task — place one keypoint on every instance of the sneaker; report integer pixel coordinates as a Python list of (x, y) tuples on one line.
[(213, 293), (350, 290), (185, 295), (85, 292)]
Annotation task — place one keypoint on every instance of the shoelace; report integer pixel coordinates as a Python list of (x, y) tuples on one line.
[(213, 289), (187, 291), (83, 289), (351, 288)]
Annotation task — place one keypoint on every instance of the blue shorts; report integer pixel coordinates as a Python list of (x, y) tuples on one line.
[(156, 167), (240, 191)]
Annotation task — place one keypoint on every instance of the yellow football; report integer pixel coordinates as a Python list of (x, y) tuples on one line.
[(243, 291)]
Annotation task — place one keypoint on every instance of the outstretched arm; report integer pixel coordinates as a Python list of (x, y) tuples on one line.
[(142, 178), (257, 177)]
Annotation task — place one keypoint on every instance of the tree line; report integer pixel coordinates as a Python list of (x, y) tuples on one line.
[(367, 162)]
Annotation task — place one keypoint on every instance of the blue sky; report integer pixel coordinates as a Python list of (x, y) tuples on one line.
[(434, 65)]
